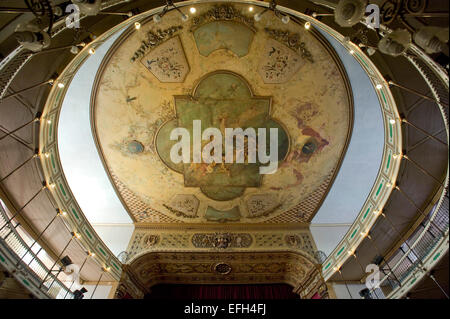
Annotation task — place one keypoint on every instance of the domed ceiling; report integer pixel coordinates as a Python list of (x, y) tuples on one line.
[(226, 70)]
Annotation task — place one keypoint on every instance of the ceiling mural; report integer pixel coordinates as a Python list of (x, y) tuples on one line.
[(166, 76)]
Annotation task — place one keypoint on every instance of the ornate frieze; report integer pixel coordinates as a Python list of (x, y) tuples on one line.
[(222, 240), (223, 12)]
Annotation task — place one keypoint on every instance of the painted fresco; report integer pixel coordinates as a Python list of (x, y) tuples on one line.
[(167, 61), (304, 94)]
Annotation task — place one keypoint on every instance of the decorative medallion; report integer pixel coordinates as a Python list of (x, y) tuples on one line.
[(167, 62), (293, 240), (222, 268), (222, 240), (278, 63), (292, 41), (150, 241), (135, 147)]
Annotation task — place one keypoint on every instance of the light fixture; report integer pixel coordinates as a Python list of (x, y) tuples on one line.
[(91, 254), (47, 155), (379, 86), (60, 85), (351, 51), (169, 3), (349, 12), (392, 121), (388, 184), (49, 121), (91, 51), (74, 49), (76, 235), (137, 25), (307, 25), (273, 6), (250, 9), (395, 155)]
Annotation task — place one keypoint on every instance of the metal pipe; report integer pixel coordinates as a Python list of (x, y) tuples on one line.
[(424, 132), (20, 166), (20, 127), (422, 169), (57, 259), (37, 239), (18, 212), (412, 91), (27, 89), (98, 282)]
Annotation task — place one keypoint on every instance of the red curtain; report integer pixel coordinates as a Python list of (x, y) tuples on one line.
[(275, 291)]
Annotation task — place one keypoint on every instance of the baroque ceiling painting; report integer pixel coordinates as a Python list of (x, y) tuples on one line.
[(216, 72)]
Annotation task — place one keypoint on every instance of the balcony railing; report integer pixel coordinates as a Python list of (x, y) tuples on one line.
[(25, 264)]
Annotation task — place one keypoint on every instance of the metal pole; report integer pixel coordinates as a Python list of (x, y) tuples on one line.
[(417, 207), (383, 259), (18, 212), (437, 284), (36, 119), (412, 91), (92, 295), (345, 283), (17, 139), (27, 89), (424, 132), (36, 154), (39, 237), (422, 169), (57, 259)]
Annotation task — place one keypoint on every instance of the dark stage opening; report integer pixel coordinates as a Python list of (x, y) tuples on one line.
[(259, 291)]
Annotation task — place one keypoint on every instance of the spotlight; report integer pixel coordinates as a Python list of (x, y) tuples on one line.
[(31, 37), (66, 261), (379, 86), (307, 25), (60, 85), (79, 294), (192, 10), (250, 9), (351, 52), (88, 7), (137, 25), (74, 49), (91, 51), (392, 121)]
